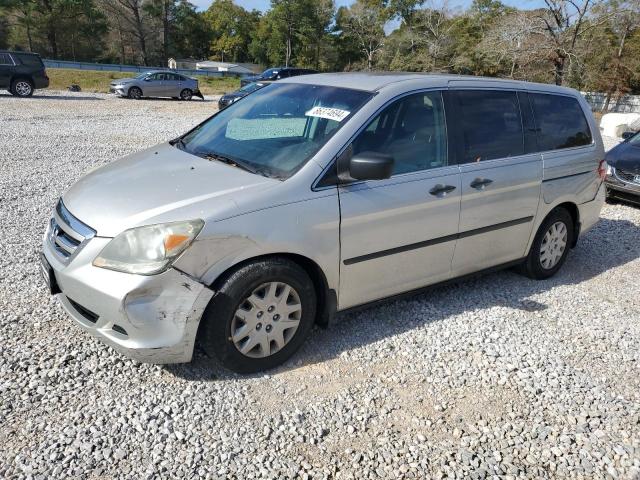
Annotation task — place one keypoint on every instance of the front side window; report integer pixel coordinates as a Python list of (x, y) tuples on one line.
[(489, 124), (560, 122), (412, 130), (270, 74), (275, 130), (5, 59)]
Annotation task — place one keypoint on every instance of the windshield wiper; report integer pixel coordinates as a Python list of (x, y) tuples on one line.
[(232, 162), (179, 142)]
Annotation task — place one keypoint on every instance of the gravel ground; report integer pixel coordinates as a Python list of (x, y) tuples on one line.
[(499, 375)]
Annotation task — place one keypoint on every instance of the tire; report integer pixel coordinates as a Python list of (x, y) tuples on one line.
[(22, 87), (550, 246), (186, 94), (224, 333), (134, 93)]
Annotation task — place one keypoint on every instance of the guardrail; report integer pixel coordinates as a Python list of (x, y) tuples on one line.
[(110, 67)]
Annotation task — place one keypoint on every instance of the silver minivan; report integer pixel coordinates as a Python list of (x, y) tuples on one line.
[(315, 195)]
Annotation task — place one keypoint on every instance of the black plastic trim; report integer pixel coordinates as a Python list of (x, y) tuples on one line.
[(567, 176), (435, 241)]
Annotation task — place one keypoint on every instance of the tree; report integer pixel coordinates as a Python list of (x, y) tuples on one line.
[(364, 22), (618, 58), (231, 29), (192, 32), (132, 19), (513, 43), (565, 22)]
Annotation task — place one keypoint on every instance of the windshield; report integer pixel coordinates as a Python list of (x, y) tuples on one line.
[(252, 87), (142, 75), (635, 140), (276, 129)]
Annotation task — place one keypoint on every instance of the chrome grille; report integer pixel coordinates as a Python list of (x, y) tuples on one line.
[(66, 233), (628, 177)]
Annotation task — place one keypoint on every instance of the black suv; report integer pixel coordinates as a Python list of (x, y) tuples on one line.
[(21, 73), (276, 74)]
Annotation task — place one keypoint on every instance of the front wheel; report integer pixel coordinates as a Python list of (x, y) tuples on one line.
[(186, 94), (260, 315), (550, 246), (21, 88), (135, 93)]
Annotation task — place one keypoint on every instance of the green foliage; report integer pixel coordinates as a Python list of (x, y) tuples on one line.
[(59, 28), (584, 44), (231, 28)]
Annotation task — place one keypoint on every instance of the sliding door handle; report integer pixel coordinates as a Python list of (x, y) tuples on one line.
[(480, 183), (441, 189)]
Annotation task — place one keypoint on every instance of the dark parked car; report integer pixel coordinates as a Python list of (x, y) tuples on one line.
[(229, 98), (21, 73), (276, 74), (623, 171)]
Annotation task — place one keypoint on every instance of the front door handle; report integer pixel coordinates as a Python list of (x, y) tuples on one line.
[(480, 183), (441, 189)]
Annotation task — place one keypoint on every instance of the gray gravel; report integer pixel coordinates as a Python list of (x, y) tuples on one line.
[(499, 375)]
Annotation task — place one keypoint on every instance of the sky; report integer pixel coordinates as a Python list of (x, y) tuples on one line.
[(264, 4)]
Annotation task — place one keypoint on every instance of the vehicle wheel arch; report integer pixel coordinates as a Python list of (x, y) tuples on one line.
[(574, 212), (326, 297), (135, 86)]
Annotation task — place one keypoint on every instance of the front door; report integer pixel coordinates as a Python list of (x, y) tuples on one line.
[(501, 182), (154, 85), (399, 234)]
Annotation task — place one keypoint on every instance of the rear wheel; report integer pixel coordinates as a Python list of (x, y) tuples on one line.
[(135, 93), (550, 246), (22, 87), (260, 315), (186, 94)]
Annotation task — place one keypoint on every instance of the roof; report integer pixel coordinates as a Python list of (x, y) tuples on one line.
[(375, 81)]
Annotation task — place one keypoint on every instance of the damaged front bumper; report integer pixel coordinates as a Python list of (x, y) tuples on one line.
[(152, 318)]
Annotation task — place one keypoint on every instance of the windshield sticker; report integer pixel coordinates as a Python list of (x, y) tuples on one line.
[(330, 113)]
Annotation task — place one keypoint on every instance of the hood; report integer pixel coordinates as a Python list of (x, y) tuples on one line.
[(160, 184), (122, 81), (625, 156)]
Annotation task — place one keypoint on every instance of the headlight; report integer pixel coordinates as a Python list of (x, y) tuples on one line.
[(148, 250), (609, 170)]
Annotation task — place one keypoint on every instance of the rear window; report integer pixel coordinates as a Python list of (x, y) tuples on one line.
[(5, 59), (30, 60), (560, 122), (490, 124)]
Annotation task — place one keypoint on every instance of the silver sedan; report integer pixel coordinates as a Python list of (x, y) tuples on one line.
[(156, 84)]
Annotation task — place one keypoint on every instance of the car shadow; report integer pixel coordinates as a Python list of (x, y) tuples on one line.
[(594, 255), (169, 99)]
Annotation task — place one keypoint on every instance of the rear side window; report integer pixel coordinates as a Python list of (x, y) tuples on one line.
[(560, 122), (5, 59), (30, 60), (490, 124)]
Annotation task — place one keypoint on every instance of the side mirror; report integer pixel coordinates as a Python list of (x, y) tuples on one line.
[(147, 79), (627, 135), (371, 166)]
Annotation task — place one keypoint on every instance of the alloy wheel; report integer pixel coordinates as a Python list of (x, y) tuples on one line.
[(23, 88)]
